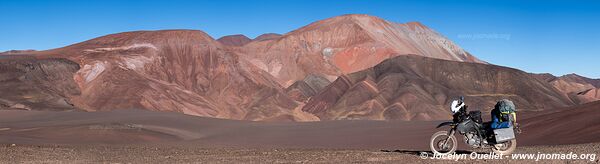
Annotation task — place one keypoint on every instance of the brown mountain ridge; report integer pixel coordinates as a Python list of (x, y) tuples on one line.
[(411, 87), (345, 67)]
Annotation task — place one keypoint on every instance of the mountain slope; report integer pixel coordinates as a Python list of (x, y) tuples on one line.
[(174, 70), (31, 84), (234, 40), (346, 44), (419, 88), (267, 36), (580, 89), (579, 124), (279, 77)]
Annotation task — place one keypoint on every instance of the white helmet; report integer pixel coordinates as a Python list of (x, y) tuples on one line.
[(455, 106)]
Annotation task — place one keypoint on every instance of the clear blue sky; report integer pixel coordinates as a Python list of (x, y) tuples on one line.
[(558, 37)]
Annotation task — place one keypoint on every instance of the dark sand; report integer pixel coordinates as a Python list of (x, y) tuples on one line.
[(146, 136), (191, 153)]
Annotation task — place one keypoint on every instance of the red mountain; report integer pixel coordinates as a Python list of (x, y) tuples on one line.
[(234, 40), (267, 36), (273, 77), (419, 88), (173, 70), (580, 89), (347, 44)]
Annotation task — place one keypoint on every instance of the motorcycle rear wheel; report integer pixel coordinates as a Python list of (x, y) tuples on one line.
[(505, 148), (436, 143)]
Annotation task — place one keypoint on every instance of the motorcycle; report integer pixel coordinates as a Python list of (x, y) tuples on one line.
[(475, 133)]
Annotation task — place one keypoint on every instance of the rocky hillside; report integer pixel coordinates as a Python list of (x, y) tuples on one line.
[(580, 89), (27, 83), (346, 44), (345, 67), (234, 40), (419, 88), (174, 70)]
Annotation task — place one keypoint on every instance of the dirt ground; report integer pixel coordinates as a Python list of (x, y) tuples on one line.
[(176, 153), (156, 137)]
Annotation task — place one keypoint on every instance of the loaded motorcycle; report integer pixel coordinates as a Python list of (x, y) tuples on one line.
[(475, 133)]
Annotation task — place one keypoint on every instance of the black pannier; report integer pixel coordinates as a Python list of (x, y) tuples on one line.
[(476, 116)]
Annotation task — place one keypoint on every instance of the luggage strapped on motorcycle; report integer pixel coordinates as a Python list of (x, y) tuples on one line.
[(507, 111)]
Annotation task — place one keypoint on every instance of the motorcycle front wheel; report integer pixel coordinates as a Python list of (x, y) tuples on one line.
[(505, 148), (437, 143)]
